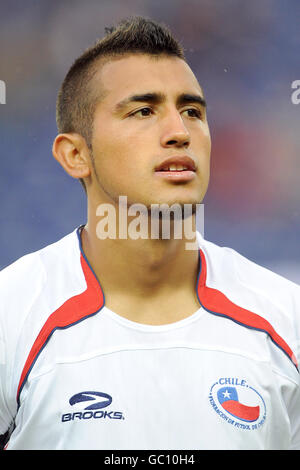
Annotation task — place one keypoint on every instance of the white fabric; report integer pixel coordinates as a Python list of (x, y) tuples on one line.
[(163, 386)]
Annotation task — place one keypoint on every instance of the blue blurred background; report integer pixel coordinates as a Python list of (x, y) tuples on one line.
[(245, 55)]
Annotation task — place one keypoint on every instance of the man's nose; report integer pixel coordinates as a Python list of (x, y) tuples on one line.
[(175, 134)]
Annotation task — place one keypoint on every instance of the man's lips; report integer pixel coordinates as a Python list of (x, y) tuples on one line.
[(176, 164), (177, 169)]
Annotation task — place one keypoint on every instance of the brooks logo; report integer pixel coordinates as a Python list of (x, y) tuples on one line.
[(99, 401)]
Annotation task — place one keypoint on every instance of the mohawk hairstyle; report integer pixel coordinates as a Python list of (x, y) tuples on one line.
[(76, 99)]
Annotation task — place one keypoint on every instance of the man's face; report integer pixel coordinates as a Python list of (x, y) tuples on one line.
[(150, 122)]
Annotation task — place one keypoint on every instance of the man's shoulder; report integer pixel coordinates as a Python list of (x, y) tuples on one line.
[(31, 266), (260, 297), (229, 265), (37, 273)]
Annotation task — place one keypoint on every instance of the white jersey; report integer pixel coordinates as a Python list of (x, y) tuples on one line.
[(75, 375)]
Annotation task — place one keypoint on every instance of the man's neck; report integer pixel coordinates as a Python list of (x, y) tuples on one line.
[(148, 281)]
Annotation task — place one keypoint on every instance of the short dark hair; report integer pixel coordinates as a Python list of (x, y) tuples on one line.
[(76, 102)]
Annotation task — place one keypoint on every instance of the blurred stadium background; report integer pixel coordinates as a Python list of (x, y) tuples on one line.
[(245, 55)]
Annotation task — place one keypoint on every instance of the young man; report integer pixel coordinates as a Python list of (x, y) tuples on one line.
[(140, 343)]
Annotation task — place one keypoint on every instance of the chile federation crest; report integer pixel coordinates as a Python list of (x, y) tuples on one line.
[(238, 403)]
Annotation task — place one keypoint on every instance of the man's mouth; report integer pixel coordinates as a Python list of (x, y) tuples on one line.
[(177, 163), (174, 167), (177, 168)]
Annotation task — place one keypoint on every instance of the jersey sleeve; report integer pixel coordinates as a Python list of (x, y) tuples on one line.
[(17, 289), (296, 308), (295, 400), (7, 341), (294, 414), (276, 299), (6, 417)]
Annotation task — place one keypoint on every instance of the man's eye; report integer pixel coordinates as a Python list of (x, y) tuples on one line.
[(144, 112), (193, 112)]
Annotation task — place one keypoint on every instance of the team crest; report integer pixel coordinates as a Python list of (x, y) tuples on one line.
[(238, 403)]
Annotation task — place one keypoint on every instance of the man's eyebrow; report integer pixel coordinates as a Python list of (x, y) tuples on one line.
[(157, 98), (187, 98), (154, 98)]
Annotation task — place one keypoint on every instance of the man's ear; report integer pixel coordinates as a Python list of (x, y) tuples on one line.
[(71, 151)]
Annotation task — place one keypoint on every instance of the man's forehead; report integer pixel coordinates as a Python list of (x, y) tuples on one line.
[(119, 77)]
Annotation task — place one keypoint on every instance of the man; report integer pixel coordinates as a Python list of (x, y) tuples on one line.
[(140, 343)]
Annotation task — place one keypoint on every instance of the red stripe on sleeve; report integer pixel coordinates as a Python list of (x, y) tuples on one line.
[(72, 311), (216, 302)]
